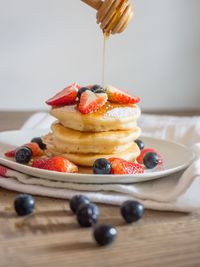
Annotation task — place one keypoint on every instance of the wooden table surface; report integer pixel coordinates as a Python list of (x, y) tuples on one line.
[(52, 237)]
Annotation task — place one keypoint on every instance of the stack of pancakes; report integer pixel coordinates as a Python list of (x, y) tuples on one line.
[(83, 138)]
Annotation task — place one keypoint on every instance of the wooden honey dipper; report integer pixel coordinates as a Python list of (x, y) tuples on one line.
[(112, 15)]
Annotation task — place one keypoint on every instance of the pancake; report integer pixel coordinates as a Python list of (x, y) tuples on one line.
[(129, 154), (66, 140), (110, 117)]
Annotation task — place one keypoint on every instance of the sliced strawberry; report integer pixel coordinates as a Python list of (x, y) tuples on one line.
[(66, 97), (144, 151), (36, 150), (91, 102), (121, 166), (39, 163), (58, 164), (3, 170), (117, 96), (10, 153)]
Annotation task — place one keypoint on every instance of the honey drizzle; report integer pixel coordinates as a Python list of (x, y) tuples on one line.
[(105, 38), (105, 109), (106, 33)]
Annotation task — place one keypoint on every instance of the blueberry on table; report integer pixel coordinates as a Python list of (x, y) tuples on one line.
[(76, 201), (151, 160), (80, 91), (38, 140), (97, 89), (23, 155), (87, 215), (139, 143), (132, 211), (24, 204), (102, 166), (104, 234)]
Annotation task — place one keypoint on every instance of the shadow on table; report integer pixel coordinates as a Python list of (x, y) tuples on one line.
[(7, 215), (73, 246), (59, 213)]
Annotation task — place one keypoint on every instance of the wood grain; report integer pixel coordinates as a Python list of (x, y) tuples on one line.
[(51, 237)]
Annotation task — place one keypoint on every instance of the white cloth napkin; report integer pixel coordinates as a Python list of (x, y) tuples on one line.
[(178, 192)]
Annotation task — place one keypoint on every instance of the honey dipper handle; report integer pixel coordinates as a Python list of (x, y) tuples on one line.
[(93, 3)]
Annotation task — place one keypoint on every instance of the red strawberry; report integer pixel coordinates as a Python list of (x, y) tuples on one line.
[(117, 96), (10, 153), (66, 97), (36, 150), (145, 151), (121, 166), (58, 164), (91, 102), (3, 170), (39, 163)]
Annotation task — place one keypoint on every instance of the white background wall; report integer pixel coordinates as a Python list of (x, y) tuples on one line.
[(47, 44)]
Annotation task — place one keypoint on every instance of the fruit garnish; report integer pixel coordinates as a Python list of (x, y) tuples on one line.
[(121, 166), (24, 204), (87, 214), (76, 201), (91, 102), (97, 89), (104, 234), (10, 153), (101, 166), (3, 170), (117, 96), (151, 160), (66, 97), (39, 163), (80, 91), (36, 150), (139, 143), (34, 147), (23, 155), (144, 152), (132, 211), (58, 164), (39, 141)]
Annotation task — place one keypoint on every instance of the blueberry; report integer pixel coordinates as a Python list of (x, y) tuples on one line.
[(76, 201), (38, 140), (23, 155), (104, 234), (139, 143), (132, 211), (101, 166), (87, 215), (151, 160), (97, 89), (80, 91), (24, 204)]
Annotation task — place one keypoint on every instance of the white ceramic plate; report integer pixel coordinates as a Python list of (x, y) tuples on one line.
[(176, 158)]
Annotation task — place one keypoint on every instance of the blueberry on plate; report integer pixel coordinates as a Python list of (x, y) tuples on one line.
[(104, 234), (38, 140), (76, 201), (87, 215), (24, 204), (80, 91), (132, 211), (151, 160), (101, 166), (139, 143), (23, 155), (97, 89)]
